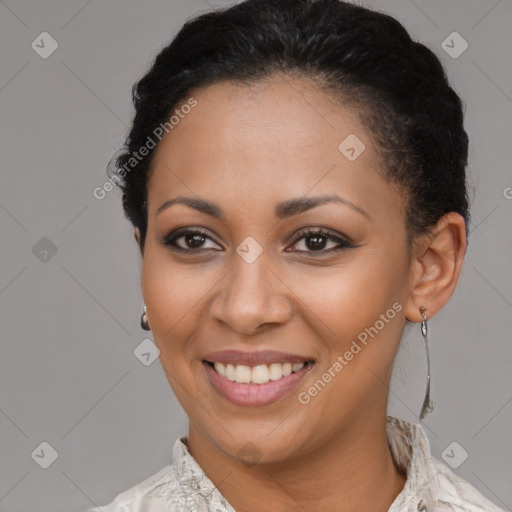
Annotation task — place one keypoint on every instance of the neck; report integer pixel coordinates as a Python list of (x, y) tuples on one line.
[(353, 472)]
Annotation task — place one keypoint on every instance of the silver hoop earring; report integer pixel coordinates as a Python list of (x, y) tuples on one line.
[(144, 320), (428, 404)]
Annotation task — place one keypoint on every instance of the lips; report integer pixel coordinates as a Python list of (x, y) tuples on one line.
[(249, 393)]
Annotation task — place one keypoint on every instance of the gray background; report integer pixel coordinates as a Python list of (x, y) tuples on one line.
[(70, 323)]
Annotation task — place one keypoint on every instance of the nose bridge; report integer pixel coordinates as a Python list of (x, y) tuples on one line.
[(251, 294), (250, 276)]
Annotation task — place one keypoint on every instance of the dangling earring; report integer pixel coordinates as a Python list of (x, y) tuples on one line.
[(144, 320), (428, 404)]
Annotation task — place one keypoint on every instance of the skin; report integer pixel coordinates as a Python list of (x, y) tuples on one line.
[(248, 148)]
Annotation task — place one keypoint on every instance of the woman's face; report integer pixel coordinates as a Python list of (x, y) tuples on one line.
[(264, 155)]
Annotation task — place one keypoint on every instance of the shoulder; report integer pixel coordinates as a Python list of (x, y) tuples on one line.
[(179, 486), (162, 491), (431, 485), (143, 495), (457, 494)]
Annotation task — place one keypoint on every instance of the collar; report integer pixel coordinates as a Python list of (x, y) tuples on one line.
[(410, 449)]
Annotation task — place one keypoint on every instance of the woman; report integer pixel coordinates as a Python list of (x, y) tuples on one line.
[(295, 175)]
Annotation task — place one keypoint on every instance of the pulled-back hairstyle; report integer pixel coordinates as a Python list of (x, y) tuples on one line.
[(365, 58)]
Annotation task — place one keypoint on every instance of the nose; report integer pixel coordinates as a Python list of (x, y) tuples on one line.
[(250, 296)]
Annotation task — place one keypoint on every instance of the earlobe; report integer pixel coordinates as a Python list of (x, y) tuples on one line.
[(436, 267)]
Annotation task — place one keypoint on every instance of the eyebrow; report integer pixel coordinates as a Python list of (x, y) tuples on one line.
[(282, 210)]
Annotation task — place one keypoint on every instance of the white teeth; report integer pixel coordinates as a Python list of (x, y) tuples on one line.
[(221, 368), (287, 369), (276, 371), (259, 374), (229, 373), (242, 373)]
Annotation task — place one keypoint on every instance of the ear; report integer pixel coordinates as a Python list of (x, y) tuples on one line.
[(436, 266), (136, 235)]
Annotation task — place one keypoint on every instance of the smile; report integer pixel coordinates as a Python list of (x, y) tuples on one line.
[(257, 385)]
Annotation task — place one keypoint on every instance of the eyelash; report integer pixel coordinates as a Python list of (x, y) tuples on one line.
[(343, 243)]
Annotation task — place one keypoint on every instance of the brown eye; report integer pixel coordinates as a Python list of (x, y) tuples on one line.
[(192, 240), (316, 240)]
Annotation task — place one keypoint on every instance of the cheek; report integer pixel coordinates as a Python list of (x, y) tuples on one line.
[(173, 296), (350, 295), (357, 316), (355, 313)]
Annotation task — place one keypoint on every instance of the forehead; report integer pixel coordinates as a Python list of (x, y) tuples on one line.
[(272, 140)]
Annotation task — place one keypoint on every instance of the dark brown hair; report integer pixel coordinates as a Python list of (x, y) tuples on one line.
[(399, 87)]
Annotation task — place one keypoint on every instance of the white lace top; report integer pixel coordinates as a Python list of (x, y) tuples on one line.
[(431, 486)]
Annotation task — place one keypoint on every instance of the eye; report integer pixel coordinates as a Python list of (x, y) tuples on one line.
[(318, 239), (193, 240)]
